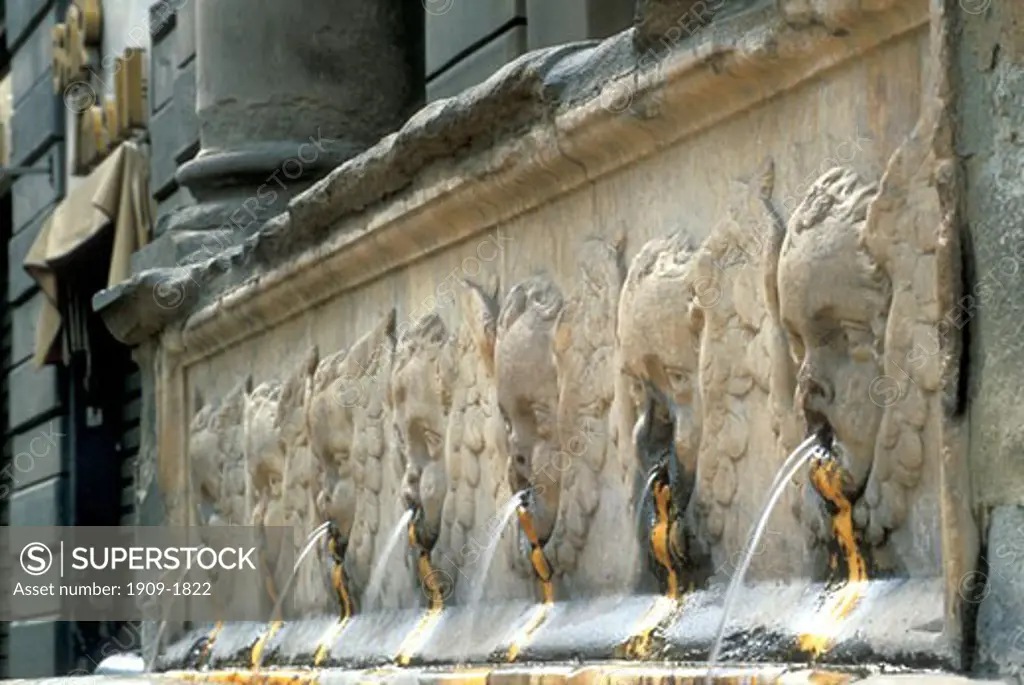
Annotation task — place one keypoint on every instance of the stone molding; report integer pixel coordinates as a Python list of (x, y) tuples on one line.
[(577, 113)]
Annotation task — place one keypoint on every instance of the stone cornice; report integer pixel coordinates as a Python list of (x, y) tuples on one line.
[(539, 128)]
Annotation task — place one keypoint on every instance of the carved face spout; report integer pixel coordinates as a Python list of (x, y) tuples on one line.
[(833, 302), (659, 332), (528, 396), (332, 431), (420, 386), (216, 449), (667, 405)]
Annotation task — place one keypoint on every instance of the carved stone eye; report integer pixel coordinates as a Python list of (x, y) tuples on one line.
[(679, 379), (433, 440), (637, 387)]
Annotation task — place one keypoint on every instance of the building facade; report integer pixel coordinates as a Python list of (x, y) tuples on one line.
[(80, 79)]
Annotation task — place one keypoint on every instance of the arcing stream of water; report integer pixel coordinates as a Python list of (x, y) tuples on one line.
[(809, 448), (275, 616), (476, 586), (377, 574), (643, 498)]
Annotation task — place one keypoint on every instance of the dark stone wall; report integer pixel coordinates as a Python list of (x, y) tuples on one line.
[(173, 126), (989, 77), (35, 420)]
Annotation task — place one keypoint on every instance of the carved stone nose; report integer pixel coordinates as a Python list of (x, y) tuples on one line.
[(815, 392)]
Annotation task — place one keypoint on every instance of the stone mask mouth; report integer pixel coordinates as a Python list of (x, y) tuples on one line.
[(528, 499), (421, 534), (654, 434), (819, 426)]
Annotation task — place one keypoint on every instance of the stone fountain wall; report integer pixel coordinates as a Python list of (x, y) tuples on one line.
[(745, 234)]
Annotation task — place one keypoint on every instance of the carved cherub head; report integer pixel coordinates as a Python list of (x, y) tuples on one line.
[(833, 302), (216, 452), (265, 458), (528, 393), (290, 420), (421, 394), (345, 412), (659, 333)]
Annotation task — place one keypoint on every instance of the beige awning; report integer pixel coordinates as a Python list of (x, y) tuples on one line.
[(115, 194)]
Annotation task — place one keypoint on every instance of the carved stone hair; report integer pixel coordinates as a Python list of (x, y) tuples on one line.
[(295, 391), (672, 258), (231, 410), (839, 194), (428, 340), (537, 295)]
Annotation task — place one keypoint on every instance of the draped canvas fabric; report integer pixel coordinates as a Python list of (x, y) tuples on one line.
[(115, 196)]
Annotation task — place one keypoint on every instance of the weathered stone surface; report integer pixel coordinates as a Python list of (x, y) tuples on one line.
[(35, 195), (38, 121), (624, 673), (1000, 637), (32, 61), (164, 145), (163, 66), (19, 283), (510, 100), (279, 99), (38, 452), (513, 98), (178, 199), (187, 136), (23, 327), (185, 32), (182, 249), (661, 23), (990, 70), (34, 393), (475, 321), (163, 19)]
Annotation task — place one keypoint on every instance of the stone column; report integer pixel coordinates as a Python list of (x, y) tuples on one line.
[(286, 91)]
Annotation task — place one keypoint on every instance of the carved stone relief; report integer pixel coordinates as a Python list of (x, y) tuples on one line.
[(217, 454), (265, 467), (477, 483), (741, 448), (589, 544), (300, 474), (555, 362), (658, 357), (421, 394), (349, 421), (687, 380), (859, 285), (528, 395)]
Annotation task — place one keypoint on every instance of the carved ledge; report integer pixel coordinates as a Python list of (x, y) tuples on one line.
[(568, 115)]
